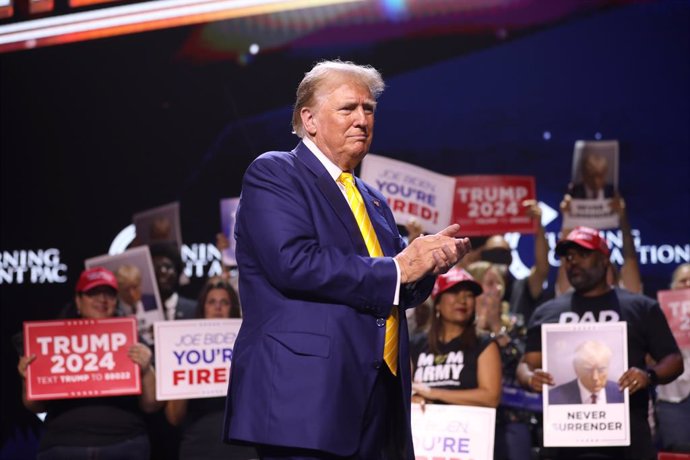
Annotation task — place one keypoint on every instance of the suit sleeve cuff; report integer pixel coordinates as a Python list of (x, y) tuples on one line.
[(396, 298)]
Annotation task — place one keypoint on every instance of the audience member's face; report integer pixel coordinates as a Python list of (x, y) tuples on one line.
[(593, 372), (682, 280), (217, 304), (343, 121), (594, 172), (488, 304), (166, 275), (98, 302), (492, 283), (456, 305), (585, 268)]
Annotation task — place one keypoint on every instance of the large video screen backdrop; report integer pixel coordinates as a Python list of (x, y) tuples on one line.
[(93, 132)]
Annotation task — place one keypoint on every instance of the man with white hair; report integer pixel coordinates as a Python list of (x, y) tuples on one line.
[(321, 366)]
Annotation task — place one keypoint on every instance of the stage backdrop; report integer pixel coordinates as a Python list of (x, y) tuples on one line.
[(93, 132)]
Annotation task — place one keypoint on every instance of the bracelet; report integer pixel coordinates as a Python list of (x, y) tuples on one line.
[(494, 335), (653, 378)]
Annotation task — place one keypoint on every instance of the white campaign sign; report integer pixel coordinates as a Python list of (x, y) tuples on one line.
[(450, 432), (411, 191), (571, 353), (193, 357), (594, 212)]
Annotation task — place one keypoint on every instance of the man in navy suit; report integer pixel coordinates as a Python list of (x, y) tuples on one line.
[(591, 363), (308, 377)]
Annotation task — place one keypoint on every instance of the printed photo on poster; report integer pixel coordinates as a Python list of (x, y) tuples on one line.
[(158, 225), (193, 357), (585, 407), (594, 182), (138, 291), (79, 358)]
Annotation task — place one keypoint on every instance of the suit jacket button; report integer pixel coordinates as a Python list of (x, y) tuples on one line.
[(380, 322), (377, 364)]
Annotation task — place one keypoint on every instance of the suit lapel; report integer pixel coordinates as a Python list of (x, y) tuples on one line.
[(334, 196), (377, 217)]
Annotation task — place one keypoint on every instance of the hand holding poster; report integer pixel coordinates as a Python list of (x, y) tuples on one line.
[(451, 432), (676, 307), (411, 191), (193, 357), (490, 205), (81, 358), (586, 406)]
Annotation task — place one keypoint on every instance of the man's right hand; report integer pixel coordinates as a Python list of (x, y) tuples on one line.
[(432, 254)]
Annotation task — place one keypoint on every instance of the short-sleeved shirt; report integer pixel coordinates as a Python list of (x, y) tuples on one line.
[(451, 368), (648, 333)]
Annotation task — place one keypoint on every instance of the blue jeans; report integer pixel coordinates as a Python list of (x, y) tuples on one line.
[(132, 449), (674, 425), (513, 441)]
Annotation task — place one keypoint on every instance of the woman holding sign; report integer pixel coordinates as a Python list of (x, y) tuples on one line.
[(201, 419), (451, 364), (96, 427), (673, 399)]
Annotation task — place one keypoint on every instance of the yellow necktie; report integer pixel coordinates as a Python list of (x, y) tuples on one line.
[(390, 349)]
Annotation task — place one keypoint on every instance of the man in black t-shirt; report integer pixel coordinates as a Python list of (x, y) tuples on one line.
[(586, 258)]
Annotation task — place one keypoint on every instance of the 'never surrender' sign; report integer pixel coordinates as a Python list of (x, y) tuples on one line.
[(80, 358), (193, 357)]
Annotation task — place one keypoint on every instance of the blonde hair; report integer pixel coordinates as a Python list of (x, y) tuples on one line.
[(322, 71), (128, 274)]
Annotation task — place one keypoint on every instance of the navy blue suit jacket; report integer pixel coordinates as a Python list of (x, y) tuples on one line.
[(314, 308), (569, 393)]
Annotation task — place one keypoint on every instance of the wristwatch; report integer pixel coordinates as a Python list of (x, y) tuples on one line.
[(653, 378)]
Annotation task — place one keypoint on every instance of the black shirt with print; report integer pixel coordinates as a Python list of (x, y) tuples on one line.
[(648, 333)]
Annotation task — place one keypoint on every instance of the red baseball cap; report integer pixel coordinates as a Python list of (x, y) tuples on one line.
[(584, 237), (455, 276), (94, 277)]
